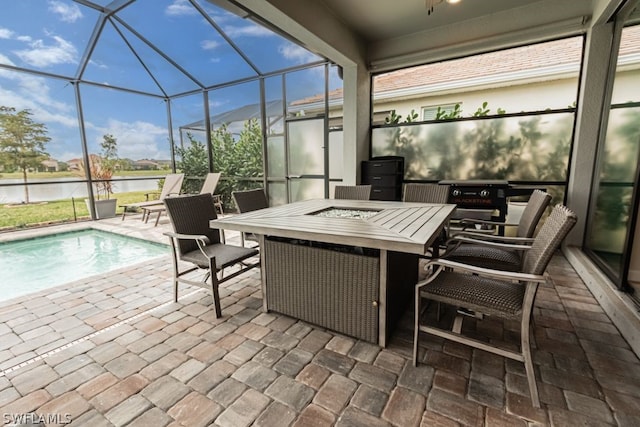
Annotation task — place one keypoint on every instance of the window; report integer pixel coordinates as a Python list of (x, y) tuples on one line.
[(430, 112)]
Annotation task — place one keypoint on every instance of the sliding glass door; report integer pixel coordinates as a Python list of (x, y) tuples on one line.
[(614, 205)]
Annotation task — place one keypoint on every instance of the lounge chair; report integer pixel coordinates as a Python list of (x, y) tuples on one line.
[(352, 192), (208, 187), (171, 187), (193, 241), (210, 183), (491, 293)]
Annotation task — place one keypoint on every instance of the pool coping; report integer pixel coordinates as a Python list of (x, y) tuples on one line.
[(75, 226), (30, 233)]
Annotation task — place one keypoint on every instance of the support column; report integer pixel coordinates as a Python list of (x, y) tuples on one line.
[(592, 101), (357, 121)]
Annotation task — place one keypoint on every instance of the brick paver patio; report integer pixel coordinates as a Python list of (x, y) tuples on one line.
[(115, 350)]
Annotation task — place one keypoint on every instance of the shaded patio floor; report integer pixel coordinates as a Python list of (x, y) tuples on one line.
[(115, 350)]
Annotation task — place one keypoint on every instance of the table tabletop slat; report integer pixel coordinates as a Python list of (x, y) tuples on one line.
[(398, 226)]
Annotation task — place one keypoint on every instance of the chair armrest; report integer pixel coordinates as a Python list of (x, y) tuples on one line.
[(485, 272), (483, 236), (200, 237), (473, 221), (470, 224), (519, 247)]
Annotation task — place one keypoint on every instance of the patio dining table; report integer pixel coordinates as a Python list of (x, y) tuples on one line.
[(346, 265)]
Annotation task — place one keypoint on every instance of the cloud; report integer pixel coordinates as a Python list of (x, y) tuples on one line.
[(209, 44), (98, 64), (296, 53), (6, 33), (68, 12), (42, 55), (13, 99), (247, 31), (5, 60), (136, 140), (180, 8), (33, 93), (28, 92)]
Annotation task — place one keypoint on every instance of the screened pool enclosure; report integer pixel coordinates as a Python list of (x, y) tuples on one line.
[(156, 86), (155, 75)]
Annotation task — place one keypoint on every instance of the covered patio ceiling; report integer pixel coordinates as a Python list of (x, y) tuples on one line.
[(386, 35)]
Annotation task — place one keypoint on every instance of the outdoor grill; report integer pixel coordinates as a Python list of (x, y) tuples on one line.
[(479, 194), (483, 199)]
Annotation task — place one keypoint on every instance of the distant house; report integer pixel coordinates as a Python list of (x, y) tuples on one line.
[(50, 165), (145, 164), (75, 164), (506, 79), (164, 164)]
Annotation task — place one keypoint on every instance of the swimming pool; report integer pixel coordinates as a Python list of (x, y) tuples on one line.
[(34, 264)]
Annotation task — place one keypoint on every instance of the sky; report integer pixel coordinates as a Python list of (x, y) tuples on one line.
[(51, 36)]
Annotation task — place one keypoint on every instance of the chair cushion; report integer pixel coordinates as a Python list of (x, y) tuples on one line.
[(225, 255), (481, 294), (486, 257)]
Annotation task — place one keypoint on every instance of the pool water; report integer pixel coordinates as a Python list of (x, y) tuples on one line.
[(31, 265)]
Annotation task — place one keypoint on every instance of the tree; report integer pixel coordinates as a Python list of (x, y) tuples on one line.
[(194, 162), (102, 167), (107, 165), (236, 158), (22, 142), (63, 166)]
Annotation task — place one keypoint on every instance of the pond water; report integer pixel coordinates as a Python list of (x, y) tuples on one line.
[(38, 263), (41, 191)]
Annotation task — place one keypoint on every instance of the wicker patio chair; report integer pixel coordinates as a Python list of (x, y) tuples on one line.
[(193, 241), (493, 251), (352, 192), (248, 201), (429, 193), (492, 293), (171, 187), (537, 203), (425, 193)]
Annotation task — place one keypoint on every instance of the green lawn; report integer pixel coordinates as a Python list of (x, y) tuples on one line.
[(35, 214)]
